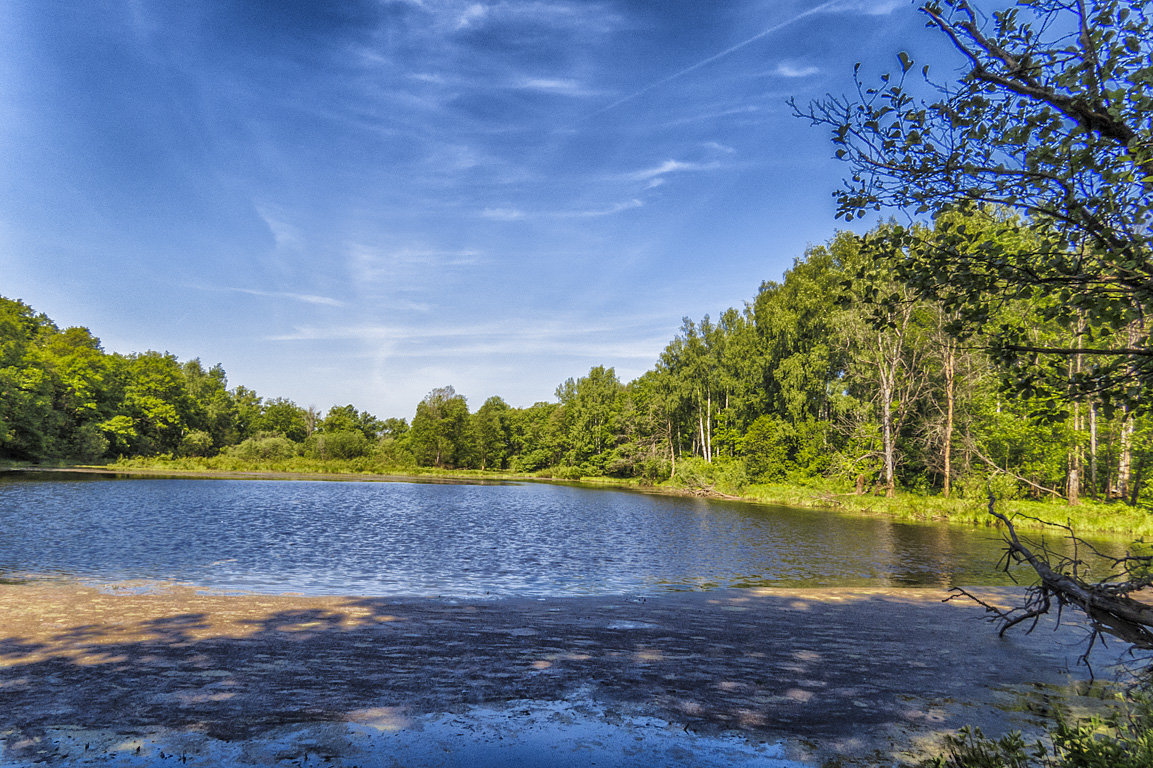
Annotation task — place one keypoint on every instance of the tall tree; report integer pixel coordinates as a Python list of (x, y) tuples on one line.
[(441, 434), (156, 397), (1053, 117), (26, 393), (490, 425), (285, 417), (591, 408)]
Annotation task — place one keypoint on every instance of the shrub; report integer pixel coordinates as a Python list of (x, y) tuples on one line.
[(724, 474), (263, 446), (392, 453), (976, 487), (89, 444), (767, 447), (337, 445), (196, 443), (1124, 739)]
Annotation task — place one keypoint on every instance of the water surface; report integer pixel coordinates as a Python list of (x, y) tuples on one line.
[(458, 540)]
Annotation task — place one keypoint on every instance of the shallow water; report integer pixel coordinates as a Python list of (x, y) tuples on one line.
[(457, 540)]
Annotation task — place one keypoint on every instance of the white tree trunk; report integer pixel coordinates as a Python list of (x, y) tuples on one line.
[(1125, 459), (1093, 448), (950, 384)]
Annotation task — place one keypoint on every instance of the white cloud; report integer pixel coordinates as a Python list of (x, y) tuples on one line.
[(635, 340), (287, 236), (828, 5), (872, 7), (306, 298), (472, 14), (405, 266), (561, 86), (713, 115), (670, 166), (462, 15), (716, 146), (503, 214), (787, 69), (628, 205), (516, 214)]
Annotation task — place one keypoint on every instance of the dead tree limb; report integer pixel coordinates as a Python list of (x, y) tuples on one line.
[(1062, 582), (1002, 471)]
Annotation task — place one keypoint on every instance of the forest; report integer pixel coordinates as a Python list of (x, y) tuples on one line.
[(839, 372), (990, 340), (995, 341)]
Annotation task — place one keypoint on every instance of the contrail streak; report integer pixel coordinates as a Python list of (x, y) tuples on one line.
[(721, 55)]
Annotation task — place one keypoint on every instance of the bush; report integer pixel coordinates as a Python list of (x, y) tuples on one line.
[(337, 445), (566, 473), (724, 474), (196, 443), (391, 453), (263, 446), (766, 448), (976, 487), (812, 452), (531, 461), (89, 444), (1124, 739), (654, 469)]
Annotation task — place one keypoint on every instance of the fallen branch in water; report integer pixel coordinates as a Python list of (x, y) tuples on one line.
[(711, 492), (1106, 602)]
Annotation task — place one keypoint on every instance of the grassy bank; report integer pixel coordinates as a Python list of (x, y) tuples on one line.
[(1087, 517)]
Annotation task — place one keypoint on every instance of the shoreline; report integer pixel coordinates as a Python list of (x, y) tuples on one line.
[(1090, 518), (803, 675)]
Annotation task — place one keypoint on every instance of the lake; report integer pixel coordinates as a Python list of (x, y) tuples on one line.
[(456, 540)]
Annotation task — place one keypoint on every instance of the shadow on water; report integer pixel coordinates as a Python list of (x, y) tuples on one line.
[(822, 665)]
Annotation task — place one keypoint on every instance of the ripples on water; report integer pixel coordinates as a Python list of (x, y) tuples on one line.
[(468, 541)]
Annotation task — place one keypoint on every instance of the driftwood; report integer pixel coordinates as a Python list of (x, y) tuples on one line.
[(711, 492), (1063, 581)]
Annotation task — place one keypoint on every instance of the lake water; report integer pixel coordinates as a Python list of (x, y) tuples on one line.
[(456, 540)]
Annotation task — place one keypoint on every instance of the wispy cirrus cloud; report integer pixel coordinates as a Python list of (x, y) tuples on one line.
[(405, 267), (670, 166), (464, 17), (559, 86), (790, 70), (471, 15), (639, 338), (826, 6), (871, 7), (517, 214), (416, 255), (306, 298), (504, 214)]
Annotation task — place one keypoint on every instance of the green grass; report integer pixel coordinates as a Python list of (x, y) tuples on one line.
[(1087, 517)]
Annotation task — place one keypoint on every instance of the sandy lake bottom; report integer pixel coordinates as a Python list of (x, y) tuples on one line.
[(149, 675)]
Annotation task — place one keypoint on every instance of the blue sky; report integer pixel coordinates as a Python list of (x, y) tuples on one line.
[(356, 202)]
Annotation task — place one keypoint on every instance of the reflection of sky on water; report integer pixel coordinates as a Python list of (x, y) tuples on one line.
[(460, 540)]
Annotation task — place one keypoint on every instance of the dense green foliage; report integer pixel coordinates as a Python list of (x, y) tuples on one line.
[(802, 384), (1004, 342), (1052, 118)]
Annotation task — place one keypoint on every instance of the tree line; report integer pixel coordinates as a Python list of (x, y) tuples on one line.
[(841, 371), (1002, 342)]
